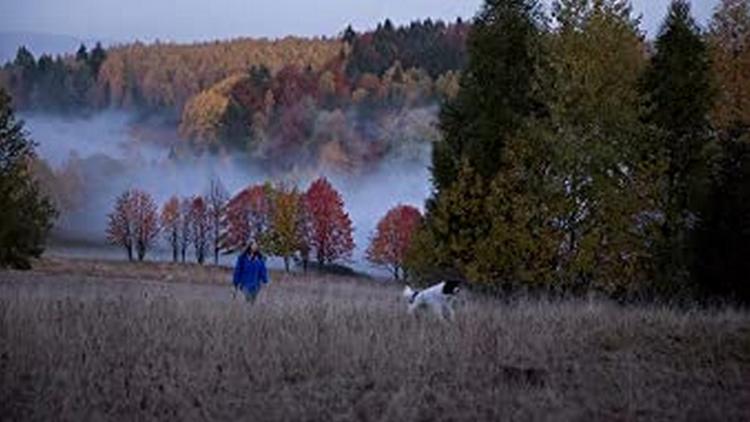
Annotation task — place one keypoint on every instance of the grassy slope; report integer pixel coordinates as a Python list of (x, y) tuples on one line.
[(90, 342)]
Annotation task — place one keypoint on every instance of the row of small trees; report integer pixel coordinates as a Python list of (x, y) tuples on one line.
[(287, 223)]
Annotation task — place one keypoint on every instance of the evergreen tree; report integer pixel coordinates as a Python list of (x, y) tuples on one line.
[(25, 215), (679, 96), (82, 55), (349, 35), (498, 94), (96, 59), (723, 236), (498, 90)]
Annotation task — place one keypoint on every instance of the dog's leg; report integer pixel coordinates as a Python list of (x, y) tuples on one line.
[(449, 312)]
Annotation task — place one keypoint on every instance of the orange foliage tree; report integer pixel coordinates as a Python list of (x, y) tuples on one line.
[(170, 223), (146, 222), (729, 39), (134, 223), (392, 238), (121, 222), (330, 225)]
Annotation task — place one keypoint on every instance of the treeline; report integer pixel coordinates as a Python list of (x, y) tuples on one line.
[(164, 76), (284, 221), (339, 103), (361, 105), (160, 77), (435, 47), (577, 156), (54, 84), (295, 226)]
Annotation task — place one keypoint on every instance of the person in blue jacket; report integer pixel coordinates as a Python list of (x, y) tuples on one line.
[(250, 272)]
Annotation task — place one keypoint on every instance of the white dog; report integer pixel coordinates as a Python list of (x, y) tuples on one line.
[(438, 298)]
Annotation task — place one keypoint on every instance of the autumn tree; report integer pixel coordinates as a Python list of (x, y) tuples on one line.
[(247, 218), (26, 215), (146, 221), (729, 43), (200, 219), (185, 227), (602, 154), (121, 223), (722, 237), (679, 96), (217, 201), (170, 222), (393, 237), (331, 227), (285, 222)]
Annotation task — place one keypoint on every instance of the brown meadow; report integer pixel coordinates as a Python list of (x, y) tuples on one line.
[(92, 340)]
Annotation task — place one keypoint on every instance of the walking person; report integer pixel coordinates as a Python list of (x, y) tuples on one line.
[(250, 272)]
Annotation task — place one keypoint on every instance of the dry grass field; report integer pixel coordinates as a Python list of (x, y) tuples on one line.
[(88, 340)]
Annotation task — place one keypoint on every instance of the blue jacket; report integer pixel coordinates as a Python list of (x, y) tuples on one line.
[(249, 273)]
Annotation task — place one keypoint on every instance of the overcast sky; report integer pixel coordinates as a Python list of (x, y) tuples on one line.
[(189, 20)]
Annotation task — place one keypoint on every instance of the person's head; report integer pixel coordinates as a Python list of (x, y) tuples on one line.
[(252, 249)]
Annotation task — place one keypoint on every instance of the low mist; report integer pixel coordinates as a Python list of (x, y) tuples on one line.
[(106, 153)]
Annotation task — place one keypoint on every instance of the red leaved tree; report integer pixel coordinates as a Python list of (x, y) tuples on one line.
[(170, 223), (330, 225), (134, 223), (121, 224), (200, 220), (246, 217), (392, 238), (146, 218)]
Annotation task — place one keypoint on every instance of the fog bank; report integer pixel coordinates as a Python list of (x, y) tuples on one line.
[(108, 152)]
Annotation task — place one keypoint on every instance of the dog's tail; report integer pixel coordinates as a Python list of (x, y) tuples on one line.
[(408, 293)]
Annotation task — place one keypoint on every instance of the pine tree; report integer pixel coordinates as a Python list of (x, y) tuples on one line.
[(82, 55), (96, 59), (679, 96), (498, 90), (26, 216)]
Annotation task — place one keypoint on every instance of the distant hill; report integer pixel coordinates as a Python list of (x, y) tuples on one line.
[(39, 43)]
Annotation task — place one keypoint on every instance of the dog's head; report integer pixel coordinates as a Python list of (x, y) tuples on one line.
[(410, 294), (451, 286)]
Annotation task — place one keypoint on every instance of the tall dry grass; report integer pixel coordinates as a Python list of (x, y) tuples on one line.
[(85, 347)]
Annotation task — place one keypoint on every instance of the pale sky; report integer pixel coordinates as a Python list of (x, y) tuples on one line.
[(190, 20)]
